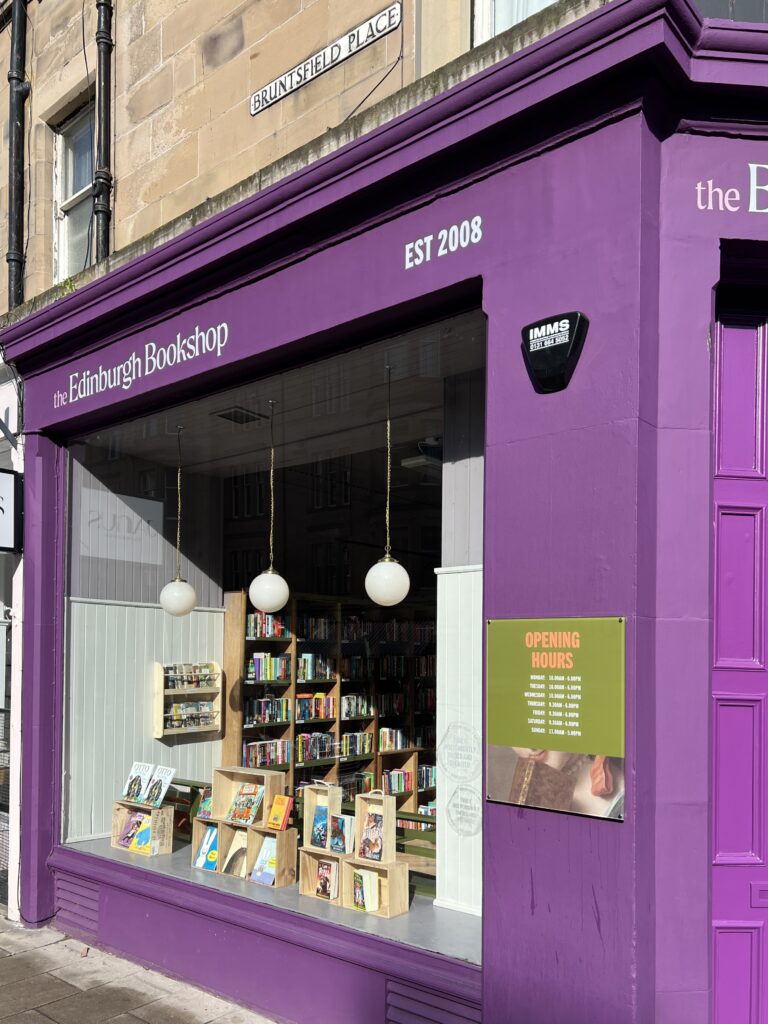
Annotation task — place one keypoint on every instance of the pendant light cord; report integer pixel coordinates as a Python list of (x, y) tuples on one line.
[(271, 483), (387, 547), (178, 507)]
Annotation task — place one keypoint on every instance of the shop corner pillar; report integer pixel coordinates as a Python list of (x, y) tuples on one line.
[(44, 492)]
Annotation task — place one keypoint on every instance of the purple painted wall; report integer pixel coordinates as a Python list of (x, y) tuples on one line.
[(597, 502)]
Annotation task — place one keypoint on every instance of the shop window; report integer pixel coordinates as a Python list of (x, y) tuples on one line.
[(73, 173), (333, 688)]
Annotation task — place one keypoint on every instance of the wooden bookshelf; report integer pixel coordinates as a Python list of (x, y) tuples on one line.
[(207, 689)]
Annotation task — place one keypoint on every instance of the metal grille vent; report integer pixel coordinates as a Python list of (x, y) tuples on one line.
[(77, 906), (409, 1005)]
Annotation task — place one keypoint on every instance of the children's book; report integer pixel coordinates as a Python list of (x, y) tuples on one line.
[(235, 864), (319, 836), (365, 891), (157, 786), (205, 808), (141, 842), (327, 879), (208, 851), (130, 829), (281, 812), (246, 805), (342, 833), (372, 839), (137, 781), (265, 868)]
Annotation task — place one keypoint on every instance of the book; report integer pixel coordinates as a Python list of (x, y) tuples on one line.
[(535, 784), (205, 808), (235, 863), (208, 852), (130, 829), (342, 833), (372, 839), (265, 868), (141, 842), (280, 813), (247, 803), (137, 781), (365, 891), (327, 879), (319, 835), (157, 786)]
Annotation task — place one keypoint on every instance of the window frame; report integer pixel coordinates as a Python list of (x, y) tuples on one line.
[(64, 205)]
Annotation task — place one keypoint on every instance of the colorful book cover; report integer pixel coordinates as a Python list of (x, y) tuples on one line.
[(208, 851), (342, 833), (281, 812), (141, 842), (205, 808), (235, 864), (358, 891), (157, 786), (327, 879), (265, 868), (246, 805), (372, 839), (130, 829), (137, 781), (319, 836)]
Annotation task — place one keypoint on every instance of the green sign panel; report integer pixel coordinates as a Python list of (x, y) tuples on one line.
[(555, 707)]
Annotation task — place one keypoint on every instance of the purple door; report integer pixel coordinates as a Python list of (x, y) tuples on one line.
[(739, 676)]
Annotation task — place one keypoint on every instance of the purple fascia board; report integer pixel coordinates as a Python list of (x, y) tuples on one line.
[(425, 969), (621, 30)]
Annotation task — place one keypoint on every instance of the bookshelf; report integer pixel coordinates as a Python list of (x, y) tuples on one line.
[(187, 699), (336, 690)]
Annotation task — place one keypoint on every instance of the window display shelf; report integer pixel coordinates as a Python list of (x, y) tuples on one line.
[(182, 705)]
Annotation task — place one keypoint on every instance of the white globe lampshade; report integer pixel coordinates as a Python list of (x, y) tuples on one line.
[(269, 592), (178, 597), (387, 582)]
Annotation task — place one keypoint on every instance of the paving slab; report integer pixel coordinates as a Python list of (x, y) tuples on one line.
[(49, 978)]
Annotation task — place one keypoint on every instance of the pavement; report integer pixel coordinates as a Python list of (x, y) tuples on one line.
[(46, 976)]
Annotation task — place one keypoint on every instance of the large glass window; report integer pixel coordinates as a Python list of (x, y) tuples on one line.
[(334, 689)]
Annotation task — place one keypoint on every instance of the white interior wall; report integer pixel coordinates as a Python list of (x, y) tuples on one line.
[(112, 647)]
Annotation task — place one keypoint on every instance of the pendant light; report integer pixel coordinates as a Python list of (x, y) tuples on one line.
[(387, 582), (268, 591), (178, 597)]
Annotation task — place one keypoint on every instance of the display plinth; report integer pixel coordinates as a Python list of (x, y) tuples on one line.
[(393, 886), (309, 860), (160, 825)]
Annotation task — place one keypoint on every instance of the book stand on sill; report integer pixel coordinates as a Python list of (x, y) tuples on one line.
[(392, 874), (160, 824), (225, 787), (310, 856)]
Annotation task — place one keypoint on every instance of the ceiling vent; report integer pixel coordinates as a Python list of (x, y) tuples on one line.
[(239, 414)]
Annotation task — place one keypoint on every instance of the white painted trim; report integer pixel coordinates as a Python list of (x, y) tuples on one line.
[(483, 22), (460, 908), (444, 570)]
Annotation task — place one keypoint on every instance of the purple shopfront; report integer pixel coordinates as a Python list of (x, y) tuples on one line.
[(602, 184)]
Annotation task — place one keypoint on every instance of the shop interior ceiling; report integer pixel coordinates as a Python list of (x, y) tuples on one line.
[(323, 410)]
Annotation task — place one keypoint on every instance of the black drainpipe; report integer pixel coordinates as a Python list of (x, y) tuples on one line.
[(19, 91), (102, 185)]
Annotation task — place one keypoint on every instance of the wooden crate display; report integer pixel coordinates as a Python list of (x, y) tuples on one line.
[(314, 796), (376, 803), (309, 861), (199, 828), (287, 846), (393, 886), (226, 785), (161, 826)]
